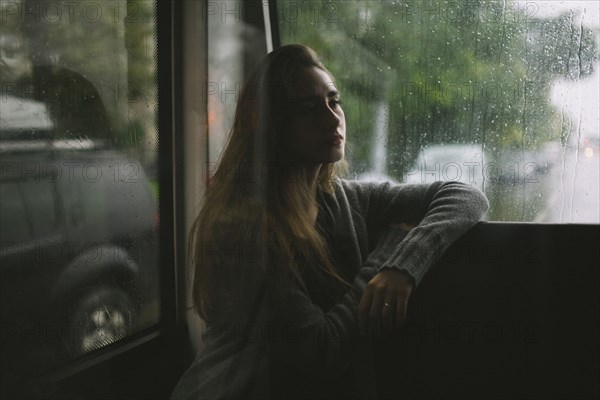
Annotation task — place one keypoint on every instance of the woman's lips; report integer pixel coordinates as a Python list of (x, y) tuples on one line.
[(336, 140)]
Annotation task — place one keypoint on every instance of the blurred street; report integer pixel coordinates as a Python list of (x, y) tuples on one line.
[(573, 186)]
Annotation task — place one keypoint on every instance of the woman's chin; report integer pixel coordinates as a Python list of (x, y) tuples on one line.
[(337, 156)]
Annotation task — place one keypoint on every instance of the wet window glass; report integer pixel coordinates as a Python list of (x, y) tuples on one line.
[(502, 95), (235, 46), (39, 198), (15, 227), (78, 180)]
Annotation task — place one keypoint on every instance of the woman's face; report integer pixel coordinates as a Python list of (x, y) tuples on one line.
[(317, 130)]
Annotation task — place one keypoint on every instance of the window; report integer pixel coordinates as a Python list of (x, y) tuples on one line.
[(236, 45), (78, 178), (500, 95), (41, 207), (15, 227)]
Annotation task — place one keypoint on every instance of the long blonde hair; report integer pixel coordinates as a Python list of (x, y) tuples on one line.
[(256, 197)]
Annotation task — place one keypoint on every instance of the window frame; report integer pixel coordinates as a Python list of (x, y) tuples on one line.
[(165, 344)]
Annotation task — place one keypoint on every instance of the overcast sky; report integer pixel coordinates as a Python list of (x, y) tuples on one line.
[(578, 98)]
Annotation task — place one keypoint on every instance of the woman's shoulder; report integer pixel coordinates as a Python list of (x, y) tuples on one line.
[(359, 189), (350, 194), (359, 183)]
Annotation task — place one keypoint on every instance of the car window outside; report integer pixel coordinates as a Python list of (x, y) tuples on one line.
[(518, 80), (78, 180)]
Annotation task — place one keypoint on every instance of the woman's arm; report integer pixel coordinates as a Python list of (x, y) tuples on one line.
[(440, 213), (313, 341), (295, 331), (450, 210)]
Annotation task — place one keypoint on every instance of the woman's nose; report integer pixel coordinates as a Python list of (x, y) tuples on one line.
[(332, 119)]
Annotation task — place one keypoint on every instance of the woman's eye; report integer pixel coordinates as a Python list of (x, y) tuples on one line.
[(310, 106), (335, 103)]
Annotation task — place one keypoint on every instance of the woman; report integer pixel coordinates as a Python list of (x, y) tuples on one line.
[(295, 268)]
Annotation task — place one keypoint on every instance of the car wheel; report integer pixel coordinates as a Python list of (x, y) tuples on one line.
[(99, 317)]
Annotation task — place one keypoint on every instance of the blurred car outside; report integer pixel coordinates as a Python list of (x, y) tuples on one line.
[(78, 243)]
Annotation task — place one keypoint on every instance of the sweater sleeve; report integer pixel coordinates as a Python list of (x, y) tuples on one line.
[(296, 331), (441, 213), (314, 341)]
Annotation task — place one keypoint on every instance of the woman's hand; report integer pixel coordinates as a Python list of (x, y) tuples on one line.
[(382, 306)]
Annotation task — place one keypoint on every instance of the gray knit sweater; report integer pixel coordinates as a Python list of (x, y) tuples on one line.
[(305, 342)]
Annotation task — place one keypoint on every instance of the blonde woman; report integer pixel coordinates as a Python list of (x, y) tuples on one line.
[(297, 269)]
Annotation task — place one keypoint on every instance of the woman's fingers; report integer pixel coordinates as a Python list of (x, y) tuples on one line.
[(375, 311), (363, 311), (387, 314), (401, 306), (384, 303), (369, 309)]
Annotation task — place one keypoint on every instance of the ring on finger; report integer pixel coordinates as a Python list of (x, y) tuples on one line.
[(387, 304)]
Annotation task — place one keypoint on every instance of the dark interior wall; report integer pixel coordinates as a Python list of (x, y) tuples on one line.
[(511, 311)]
